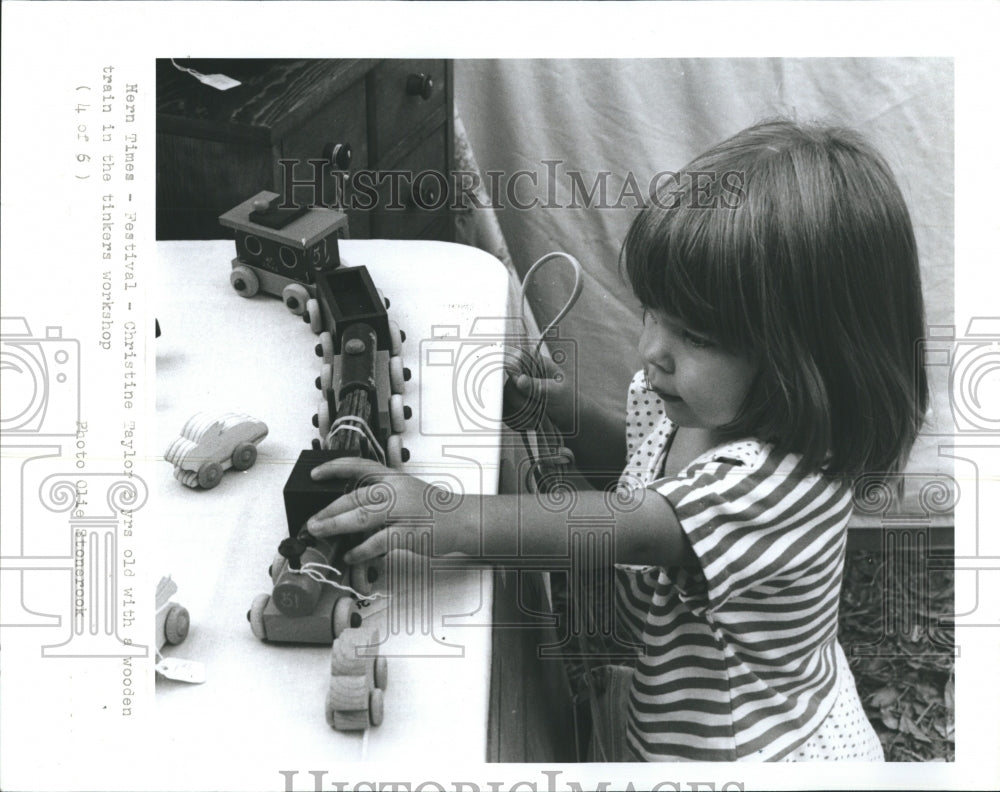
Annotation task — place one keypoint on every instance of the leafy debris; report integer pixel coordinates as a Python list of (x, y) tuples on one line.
[(894, 628)]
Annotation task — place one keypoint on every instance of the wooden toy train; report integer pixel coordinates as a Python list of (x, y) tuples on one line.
[(315, 598)]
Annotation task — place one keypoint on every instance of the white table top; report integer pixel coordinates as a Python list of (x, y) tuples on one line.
[(263, 702)]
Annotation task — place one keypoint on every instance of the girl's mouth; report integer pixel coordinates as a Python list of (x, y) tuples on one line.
[(667, 397)]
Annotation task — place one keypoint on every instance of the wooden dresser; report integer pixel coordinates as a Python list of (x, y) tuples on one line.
[(371, 137)]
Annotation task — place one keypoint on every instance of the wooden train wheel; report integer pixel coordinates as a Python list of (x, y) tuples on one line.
[(256, 615), (380, 672), (244, 281), (295, 296), (177, 624), (376, 707)]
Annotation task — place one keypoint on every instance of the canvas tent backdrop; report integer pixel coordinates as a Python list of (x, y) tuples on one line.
[(554, 118)]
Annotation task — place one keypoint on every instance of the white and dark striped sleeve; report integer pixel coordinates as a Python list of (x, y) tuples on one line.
[(751, 526)]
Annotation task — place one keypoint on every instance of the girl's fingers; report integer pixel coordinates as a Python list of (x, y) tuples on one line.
[(347, 467), (528, 386), (366, 472), (377, 544), (362, 509), (366, 508), (353, 520), (374, 546), (347, 502)]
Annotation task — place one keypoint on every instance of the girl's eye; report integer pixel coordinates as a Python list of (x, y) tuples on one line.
[(695, 340), (648, 317)]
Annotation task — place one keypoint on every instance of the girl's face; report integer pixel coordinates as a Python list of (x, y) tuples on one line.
[(701, 384)]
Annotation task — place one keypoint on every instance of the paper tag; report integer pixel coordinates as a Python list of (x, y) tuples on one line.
[(219, 81), (181, 670)]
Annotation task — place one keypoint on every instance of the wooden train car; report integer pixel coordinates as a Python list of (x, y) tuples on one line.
[(303, 609), (362, 377), (312, 599), (279, 250), (358, 679)]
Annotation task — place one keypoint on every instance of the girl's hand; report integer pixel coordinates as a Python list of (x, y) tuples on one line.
[(537, 386), (400, 509)]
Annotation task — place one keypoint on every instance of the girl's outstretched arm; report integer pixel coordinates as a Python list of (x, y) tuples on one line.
[(642, 529)]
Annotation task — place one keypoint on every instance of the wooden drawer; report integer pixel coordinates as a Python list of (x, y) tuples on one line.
[(342, 121), (214, 149), (400, 114), (407, 215), (197, 180)]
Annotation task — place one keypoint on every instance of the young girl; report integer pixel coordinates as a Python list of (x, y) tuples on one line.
[(781, 312)]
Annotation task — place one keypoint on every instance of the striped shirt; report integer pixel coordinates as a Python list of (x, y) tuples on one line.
[(739, 655)]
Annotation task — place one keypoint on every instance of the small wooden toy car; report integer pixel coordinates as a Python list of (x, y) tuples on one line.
[(210, 444), (358, 679), (172, 620)]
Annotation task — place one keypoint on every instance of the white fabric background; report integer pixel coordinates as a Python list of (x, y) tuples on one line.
[(646, 116)]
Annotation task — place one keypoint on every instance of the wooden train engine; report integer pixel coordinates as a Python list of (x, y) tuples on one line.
[(362, 377)]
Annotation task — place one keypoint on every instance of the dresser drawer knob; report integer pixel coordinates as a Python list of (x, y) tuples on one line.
[(421, 85), (425, 193), (338, 155)]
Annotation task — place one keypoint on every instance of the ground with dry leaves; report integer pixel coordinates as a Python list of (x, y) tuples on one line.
[(892, 610)]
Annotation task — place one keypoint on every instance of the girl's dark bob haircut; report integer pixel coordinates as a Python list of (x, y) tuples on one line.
[(792, 245)]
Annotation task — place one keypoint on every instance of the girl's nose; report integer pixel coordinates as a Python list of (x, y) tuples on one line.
[(664, 362), (655, 347)]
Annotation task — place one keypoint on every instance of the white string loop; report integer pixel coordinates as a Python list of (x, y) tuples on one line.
[(312, 569), (352, 423)]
